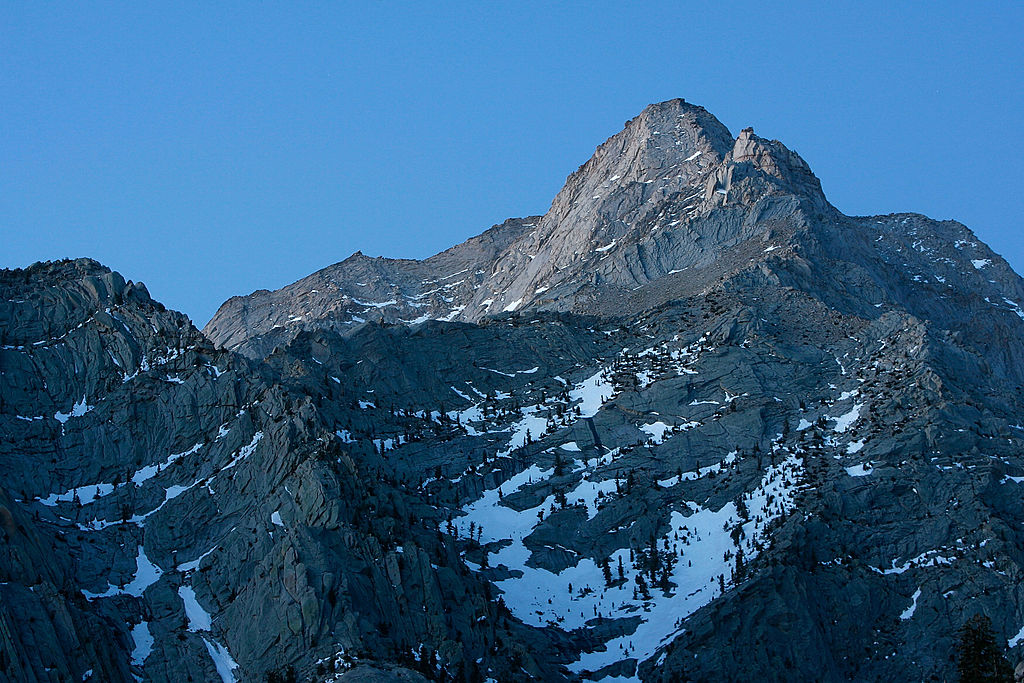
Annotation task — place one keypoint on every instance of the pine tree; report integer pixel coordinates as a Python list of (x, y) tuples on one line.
[(740, 566), (979, 658), (741, 508), (641, 583)]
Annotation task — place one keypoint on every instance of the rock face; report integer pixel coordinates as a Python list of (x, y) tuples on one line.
[(205, 518), (644, 207), (691, 424), (361, 289)]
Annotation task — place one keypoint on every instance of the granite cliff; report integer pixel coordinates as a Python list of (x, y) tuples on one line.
[(693, 423)]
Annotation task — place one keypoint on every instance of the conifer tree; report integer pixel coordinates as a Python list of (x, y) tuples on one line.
[(979, 658)]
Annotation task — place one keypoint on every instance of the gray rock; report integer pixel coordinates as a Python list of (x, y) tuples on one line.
[(797, 433)]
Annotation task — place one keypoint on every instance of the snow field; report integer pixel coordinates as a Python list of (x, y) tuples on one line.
[(700, 536)]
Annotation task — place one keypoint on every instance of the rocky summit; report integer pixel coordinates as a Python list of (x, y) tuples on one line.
[(691, 424)]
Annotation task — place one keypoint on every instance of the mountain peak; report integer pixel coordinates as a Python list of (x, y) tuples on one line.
[(711, 400), (661, 137), (677, 116), (672, 192)]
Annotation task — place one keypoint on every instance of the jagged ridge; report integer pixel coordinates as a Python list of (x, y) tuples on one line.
[(795, 431)]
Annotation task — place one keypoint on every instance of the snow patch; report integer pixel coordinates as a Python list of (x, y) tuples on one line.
[(194, 564), (452, 314), (592, 393), (198, 618), (146, 574), (375, 304), (150, 471), (77, 410), (909, 612), (929, 558), (85, 494), (656, 430), (222, 660), (540, 597), (695, 574), (530, 425), (143, 640), (89, 493), (845, 421), (862, 470), (699, 472)]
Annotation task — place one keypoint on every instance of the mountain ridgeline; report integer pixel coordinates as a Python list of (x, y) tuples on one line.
[(691, 424)]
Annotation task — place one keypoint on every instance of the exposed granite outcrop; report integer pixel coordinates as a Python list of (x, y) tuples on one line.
[(691, 424)]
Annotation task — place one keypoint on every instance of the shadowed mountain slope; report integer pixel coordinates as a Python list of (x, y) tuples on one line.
[(693, 423)]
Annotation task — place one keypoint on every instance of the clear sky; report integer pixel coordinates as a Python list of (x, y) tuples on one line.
[(210, 149)]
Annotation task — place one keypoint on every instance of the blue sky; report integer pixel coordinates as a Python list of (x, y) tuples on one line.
[(211, 149)]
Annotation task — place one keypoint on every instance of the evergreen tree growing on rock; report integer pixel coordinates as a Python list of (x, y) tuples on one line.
[(979, 658)]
